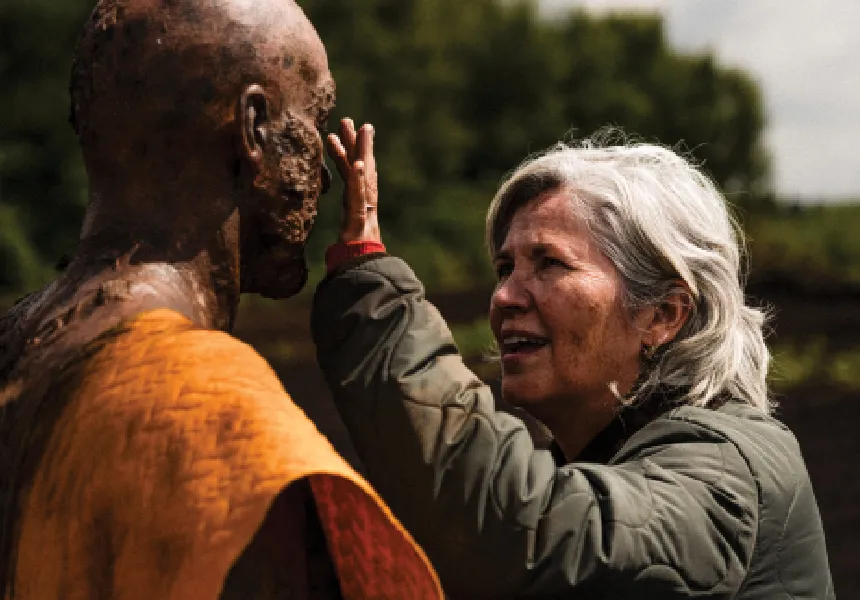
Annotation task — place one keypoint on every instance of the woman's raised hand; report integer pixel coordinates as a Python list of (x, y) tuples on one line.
[(352, 153)]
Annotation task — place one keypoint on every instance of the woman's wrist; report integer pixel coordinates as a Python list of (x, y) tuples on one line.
[(340, 252)]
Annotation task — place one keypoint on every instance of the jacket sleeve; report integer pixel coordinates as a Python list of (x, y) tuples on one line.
[(674, 517)]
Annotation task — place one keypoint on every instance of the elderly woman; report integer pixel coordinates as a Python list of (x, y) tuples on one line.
[(621, 325)]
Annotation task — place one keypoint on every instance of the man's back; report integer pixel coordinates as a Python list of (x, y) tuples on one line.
[(168, 446)]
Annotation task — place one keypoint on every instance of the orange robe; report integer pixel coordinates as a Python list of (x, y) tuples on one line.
[(172, 447)]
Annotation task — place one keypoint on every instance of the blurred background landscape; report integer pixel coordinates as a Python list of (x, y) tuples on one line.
[(460, 92)]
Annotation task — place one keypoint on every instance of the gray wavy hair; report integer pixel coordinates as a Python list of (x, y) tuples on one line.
[(659, 219)]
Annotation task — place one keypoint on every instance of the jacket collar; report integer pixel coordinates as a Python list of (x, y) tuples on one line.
[(630, 419)]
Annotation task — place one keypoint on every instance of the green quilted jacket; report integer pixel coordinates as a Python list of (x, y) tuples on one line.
[(696, 503)]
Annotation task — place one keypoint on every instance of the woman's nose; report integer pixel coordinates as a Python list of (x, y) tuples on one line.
[(511, 294)]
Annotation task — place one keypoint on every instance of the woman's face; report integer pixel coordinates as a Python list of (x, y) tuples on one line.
[(557, 312)]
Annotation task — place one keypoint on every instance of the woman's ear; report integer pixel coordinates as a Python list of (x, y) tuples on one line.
[(666, 318), (253, 118)]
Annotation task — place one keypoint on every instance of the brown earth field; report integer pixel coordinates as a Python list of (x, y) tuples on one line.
[(824, 417)]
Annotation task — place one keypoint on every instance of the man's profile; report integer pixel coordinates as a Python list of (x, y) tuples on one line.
[(144, 452)]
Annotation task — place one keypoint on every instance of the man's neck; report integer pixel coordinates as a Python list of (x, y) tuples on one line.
[(198, 288), (194, 264)]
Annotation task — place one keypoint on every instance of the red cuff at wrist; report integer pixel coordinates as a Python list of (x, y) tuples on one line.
[(342, 251)]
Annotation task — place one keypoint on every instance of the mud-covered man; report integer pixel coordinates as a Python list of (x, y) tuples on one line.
[(145, 453)]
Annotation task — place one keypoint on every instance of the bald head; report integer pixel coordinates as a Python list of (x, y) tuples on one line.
[(196, 95), (171, 64)]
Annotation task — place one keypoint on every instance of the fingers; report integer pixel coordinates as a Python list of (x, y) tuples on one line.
[(349, 146), (352, 152), (342, 147), (347, 137), (339, 155), (364, 142), (364, 146), (364, 153), (356, 201)]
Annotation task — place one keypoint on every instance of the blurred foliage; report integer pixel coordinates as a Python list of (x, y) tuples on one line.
[(799, 362), (475, 340), (19, 266), (815, 246), (42, 181), (460, 93), (478, 347)]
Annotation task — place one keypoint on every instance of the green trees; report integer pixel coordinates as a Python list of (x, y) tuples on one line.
[(460, 92), (42, 183)]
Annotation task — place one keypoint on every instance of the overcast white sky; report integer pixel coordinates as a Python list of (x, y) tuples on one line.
[(805, 54)]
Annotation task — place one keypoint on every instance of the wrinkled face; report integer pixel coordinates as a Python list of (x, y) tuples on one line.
[(557, 312), (292, 176)]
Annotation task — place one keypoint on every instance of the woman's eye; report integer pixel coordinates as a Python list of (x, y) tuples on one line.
[(503, 270), (548, 261)]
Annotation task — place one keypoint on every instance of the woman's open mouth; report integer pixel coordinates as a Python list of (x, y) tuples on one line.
[(521, 346)]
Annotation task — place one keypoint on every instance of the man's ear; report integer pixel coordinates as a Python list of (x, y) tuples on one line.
[(665, 320), (253, 119)]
